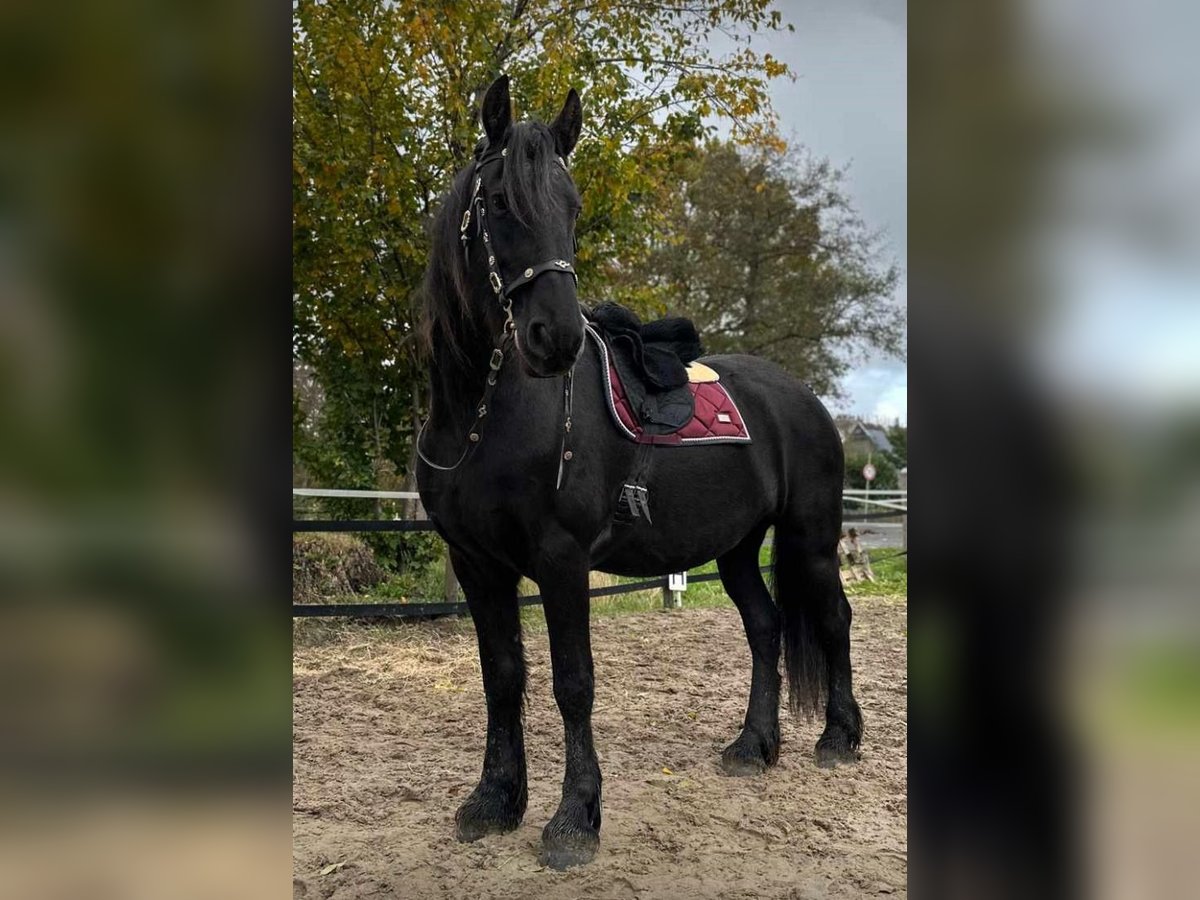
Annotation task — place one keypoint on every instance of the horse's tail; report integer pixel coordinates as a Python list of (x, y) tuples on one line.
[(803, 653)]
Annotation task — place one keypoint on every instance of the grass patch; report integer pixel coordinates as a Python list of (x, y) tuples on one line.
[(891, 575), (706, 595), (422, 583)]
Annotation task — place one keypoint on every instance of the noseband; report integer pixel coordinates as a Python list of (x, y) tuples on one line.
[(478, 205)]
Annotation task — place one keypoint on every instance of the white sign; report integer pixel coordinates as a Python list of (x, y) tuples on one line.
[(869, 472), (677, 581)]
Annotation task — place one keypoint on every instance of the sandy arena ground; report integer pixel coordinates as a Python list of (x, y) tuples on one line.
[(388, 739)]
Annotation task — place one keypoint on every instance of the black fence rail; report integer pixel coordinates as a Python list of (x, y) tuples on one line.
[(435, 610), (431, 610)]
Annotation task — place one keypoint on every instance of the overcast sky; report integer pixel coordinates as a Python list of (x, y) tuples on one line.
[(849, 103)]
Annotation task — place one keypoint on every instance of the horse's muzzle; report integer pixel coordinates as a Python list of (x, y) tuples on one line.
[(549, 326), (547, 352)]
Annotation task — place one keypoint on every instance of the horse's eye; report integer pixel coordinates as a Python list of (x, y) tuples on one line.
[(498, 203)]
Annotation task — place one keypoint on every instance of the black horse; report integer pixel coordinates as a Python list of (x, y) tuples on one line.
[(522, 471)]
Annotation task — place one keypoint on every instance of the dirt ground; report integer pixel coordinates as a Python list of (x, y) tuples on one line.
[(388, 739)]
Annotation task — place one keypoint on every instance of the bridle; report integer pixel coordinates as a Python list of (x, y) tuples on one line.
[(477, 205)]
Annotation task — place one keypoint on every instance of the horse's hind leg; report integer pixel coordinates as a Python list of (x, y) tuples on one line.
[(816, 630), (497, 805), (757, 747)]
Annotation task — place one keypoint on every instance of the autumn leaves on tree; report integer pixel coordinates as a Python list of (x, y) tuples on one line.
[(753, 241)]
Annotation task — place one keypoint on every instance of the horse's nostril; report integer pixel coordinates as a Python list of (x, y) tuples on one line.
[(539, 336)]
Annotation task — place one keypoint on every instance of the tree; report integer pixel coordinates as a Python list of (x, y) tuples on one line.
[(898, 437), (384, 100), (768, 257)]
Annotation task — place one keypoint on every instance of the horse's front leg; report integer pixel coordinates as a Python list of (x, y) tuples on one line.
[(497, 805), (573, 834)]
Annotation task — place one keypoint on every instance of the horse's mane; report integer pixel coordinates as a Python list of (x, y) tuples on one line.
[(447, 313)]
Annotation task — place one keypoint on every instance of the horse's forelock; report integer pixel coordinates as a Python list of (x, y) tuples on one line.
[(527, 185)]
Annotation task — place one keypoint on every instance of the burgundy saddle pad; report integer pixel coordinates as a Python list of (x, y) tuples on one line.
[(717, 419)]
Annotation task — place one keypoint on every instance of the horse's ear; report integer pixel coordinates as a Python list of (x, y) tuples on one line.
[(497, 111), (566, 126)]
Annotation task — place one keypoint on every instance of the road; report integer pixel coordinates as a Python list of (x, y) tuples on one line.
[(876, 535)]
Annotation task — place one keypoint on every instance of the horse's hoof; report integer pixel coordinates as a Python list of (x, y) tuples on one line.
[(747, 756), (737, 767), (467, 830), (742, 768), (483, 814), (835, 749), (562, 851)]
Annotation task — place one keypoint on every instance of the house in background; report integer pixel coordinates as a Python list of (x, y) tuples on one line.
[(859, 439)]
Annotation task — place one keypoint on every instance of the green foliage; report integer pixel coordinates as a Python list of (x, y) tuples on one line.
[(341, 566), (384, 99), (898, 436), (421, 550), (885, 472), (423, 580), (767, 256)]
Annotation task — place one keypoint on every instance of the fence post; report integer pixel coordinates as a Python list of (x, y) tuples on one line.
[(673, 590)]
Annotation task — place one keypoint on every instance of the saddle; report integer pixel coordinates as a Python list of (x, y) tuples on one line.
[(650, 361), (657, 392)]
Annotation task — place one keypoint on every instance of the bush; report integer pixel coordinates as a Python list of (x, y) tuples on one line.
[(399, 552), (885, 473), (331, 565), (420, 550)]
